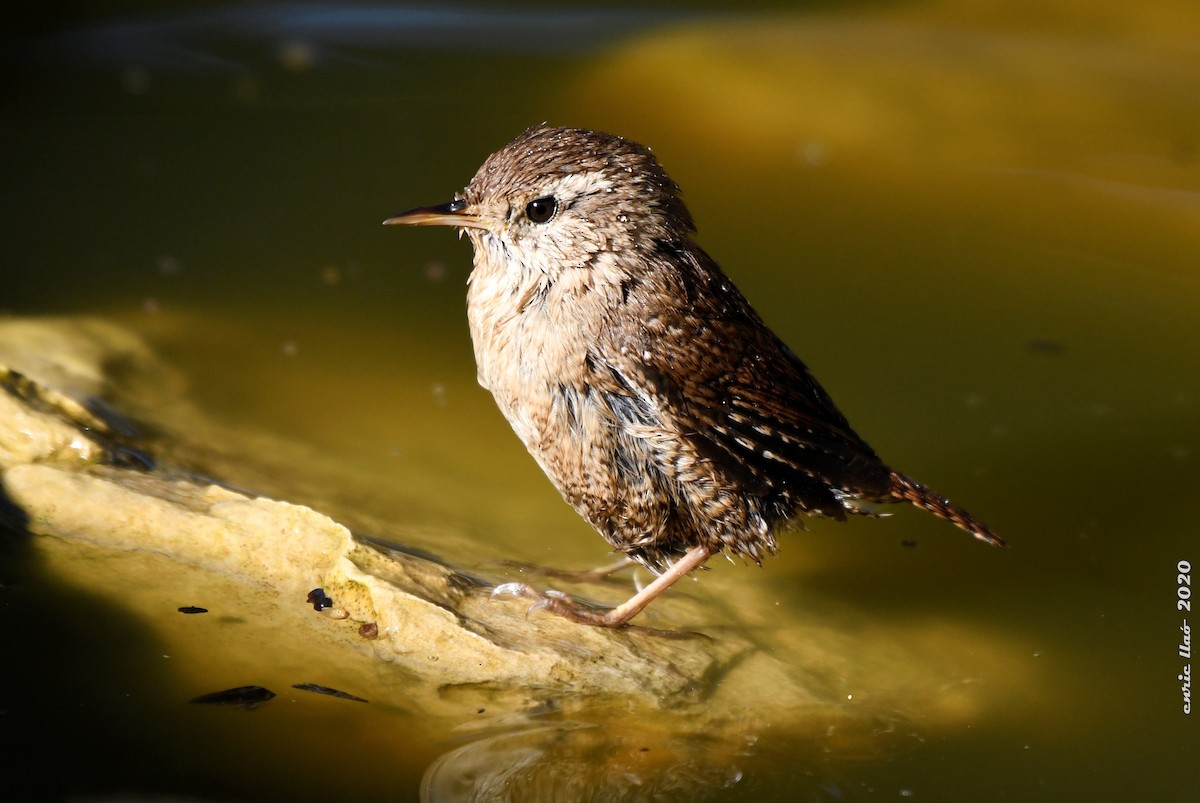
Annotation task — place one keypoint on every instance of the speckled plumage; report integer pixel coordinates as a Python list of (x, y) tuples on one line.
[(636, 373)]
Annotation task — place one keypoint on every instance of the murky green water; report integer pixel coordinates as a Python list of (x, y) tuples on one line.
[(982, 232)]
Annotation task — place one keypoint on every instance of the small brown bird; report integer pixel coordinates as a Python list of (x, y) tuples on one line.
[(640, 379)]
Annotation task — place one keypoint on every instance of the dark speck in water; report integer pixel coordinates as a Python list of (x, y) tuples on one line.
[(192, 609), (316, 688), (247, 697), (908, 543), (1045, 345)]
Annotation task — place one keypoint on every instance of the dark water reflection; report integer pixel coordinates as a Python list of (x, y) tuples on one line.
[(980, 228), (235, 38)]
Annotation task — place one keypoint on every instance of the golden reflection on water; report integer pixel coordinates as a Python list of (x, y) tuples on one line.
[(915, 197)]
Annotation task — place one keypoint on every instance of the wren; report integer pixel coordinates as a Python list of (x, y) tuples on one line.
[(638, 376)]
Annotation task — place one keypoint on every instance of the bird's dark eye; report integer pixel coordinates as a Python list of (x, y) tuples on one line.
[(540, 210)]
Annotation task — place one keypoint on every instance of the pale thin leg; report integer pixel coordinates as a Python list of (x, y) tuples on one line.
[(559, 603), (635, 604)]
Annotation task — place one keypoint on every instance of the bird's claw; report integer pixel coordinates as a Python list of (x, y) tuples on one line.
[(515, 589), (552, 600)]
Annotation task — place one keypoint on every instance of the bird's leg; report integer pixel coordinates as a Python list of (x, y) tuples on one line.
[(564, 606)]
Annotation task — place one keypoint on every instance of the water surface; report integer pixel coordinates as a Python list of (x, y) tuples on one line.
[(980, 229)]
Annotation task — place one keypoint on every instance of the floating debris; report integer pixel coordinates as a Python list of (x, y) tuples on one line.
[(247, 697), (370, 630), (319, 599), (192, 609), (316, 688)]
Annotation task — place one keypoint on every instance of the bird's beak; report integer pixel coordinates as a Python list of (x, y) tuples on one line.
[(451, 214)]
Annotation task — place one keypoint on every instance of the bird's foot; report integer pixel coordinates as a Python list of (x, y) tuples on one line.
[(560, 604)]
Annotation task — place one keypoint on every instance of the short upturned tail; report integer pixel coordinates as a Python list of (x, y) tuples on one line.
[(908, 490)]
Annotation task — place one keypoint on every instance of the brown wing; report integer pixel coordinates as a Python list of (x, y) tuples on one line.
[(743, 400)]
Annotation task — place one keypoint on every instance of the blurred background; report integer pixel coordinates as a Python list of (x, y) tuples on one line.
[(978, 224)]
